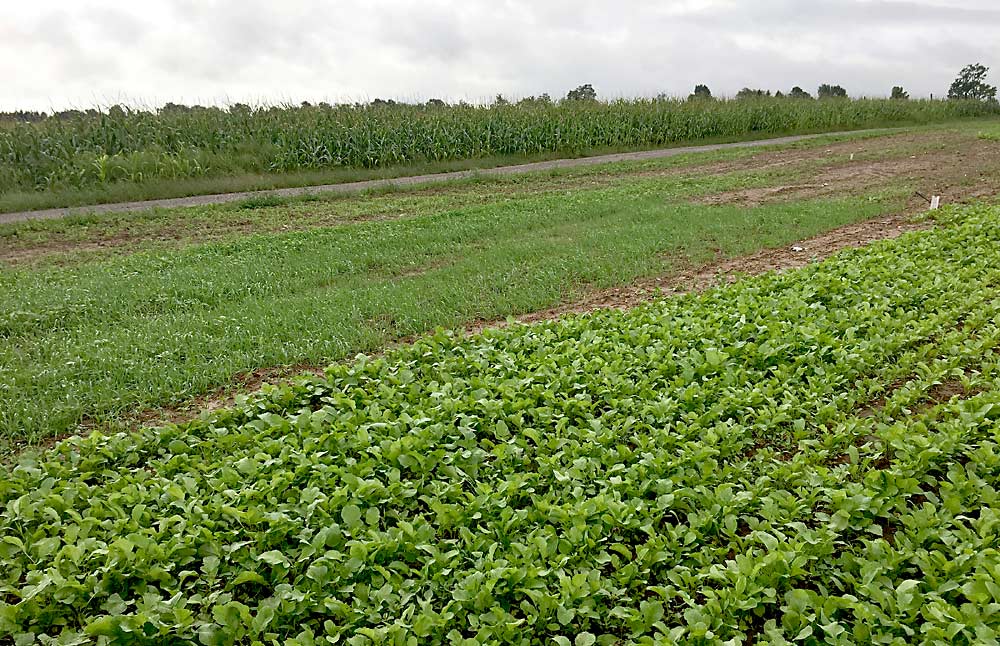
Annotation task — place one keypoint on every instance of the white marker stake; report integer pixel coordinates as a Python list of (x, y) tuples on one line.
[(935, 202)]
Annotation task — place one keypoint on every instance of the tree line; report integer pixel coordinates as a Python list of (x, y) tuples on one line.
[(969, 85)]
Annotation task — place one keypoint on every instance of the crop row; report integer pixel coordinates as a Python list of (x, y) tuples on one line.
[(122, 146), (777, 460)]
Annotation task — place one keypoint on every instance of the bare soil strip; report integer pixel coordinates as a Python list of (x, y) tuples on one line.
[(416, 180)]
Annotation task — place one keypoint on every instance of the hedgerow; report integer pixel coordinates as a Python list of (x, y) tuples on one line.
[(809, 457)]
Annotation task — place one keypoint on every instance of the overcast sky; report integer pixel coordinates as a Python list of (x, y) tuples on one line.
[(78, 53)]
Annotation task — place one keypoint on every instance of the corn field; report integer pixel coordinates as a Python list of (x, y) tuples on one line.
[(135, 146)]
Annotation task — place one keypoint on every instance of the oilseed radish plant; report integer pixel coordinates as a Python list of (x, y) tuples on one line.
[(806, 458), (122, 146)]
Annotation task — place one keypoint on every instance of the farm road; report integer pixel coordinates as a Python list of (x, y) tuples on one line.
[(415, 180)]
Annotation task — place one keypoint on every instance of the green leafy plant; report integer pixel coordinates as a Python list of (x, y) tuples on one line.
[(809, 457), (971, 85)]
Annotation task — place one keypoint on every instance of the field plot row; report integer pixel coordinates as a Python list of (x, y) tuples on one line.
[(137, 147), (806, 457)]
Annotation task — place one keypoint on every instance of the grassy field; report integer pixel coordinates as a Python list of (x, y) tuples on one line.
[(991, 133), (807, 457), (123, 156), (104, 316)]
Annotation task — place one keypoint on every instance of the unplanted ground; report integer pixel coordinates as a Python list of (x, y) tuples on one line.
[(108, 316)]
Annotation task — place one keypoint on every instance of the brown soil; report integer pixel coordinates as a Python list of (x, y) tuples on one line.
[(957, 167), (126, 241), (243, 383), (939, 393)]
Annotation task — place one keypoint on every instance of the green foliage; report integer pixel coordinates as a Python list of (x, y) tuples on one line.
[(899, 93), (134, 147), (749, 93), (705, 469), (584, 92), (22, 115), (541, 99), (990, 134), (827, 91), (267, 200), (971, 85), (798, 93), (700, 92), (94, 341)]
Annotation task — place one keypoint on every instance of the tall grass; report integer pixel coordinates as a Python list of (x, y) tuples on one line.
[(135, 146)]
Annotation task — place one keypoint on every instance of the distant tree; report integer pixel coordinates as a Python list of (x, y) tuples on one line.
[(899, 93), (541, 99), (701, 92), (748, 93), (174, 108), (583, 93), (827, 91), (799, 93), (67, 115), (323, 105), (971, 84), (436, 103), (499, 100), (382, 103), (23, 116), (779, 94), (237, 108)]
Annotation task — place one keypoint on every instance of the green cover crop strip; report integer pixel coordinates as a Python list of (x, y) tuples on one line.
[(809, 457)]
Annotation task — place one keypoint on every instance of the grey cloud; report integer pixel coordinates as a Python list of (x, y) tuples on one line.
[(352, 49), (117, 26), (434, 31), (853, 14), (54, 44)]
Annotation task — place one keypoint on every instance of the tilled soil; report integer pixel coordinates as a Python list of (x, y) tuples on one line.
[(957, 167)]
